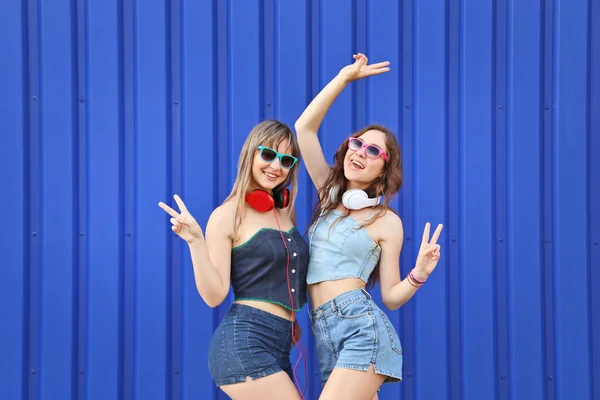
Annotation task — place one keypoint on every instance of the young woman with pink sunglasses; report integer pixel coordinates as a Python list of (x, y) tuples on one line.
[(355, 239)]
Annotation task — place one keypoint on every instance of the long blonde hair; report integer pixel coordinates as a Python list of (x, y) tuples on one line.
[(268, 133)]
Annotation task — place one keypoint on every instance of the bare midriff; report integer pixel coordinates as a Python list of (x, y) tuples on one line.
[(271, 308), (322, 292)]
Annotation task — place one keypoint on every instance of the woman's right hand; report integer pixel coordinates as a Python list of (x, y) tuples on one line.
[(184, 224), (359, 69)]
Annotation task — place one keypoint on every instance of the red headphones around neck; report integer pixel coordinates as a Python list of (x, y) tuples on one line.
[(262, 201)]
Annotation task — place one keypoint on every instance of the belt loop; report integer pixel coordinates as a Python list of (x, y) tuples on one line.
[(366, 294), (334, 306)]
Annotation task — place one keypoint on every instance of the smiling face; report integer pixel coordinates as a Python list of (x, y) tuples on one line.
[(254, 172), (267, 175), (360, 169)]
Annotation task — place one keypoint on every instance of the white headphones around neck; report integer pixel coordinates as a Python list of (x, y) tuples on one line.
[(354, 199)]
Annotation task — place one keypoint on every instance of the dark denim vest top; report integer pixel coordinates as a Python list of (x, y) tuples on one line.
[(258, 268)]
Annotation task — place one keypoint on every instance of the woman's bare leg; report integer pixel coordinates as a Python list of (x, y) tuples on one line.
[(277, 386), (349, 384)]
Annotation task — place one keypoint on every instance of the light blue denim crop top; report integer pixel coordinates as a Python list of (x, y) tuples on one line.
[(343, 251)]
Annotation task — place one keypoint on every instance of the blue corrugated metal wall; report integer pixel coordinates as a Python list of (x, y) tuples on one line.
[(109, 106)]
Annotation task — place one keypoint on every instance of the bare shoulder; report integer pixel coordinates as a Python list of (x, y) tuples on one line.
[(391, 219), (390, 226), (222, 217)]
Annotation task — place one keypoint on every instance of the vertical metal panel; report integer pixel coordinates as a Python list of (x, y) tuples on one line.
[(152, 171), (174, 322), (202, 152), (58, 109), (102, 168), (82, 223), (453, 199), (548, 71), (499, 199), (480, 151), (524, 164), (128, 84), (593, 138), (14, 180), (32, 147), (428, 165), (570, 236), (109, 107), (407, 99)]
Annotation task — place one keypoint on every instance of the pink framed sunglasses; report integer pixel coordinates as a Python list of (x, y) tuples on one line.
[(373, 151)]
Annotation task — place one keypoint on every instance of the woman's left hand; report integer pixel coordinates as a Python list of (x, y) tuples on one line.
[(429, 253)]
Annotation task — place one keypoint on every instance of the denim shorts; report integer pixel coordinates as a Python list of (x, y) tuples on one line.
[(249, 342), (351, 331)]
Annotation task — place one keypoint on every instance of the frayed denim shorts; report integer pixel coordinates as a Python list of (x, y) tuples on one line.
[(249, 343), (352, 332)]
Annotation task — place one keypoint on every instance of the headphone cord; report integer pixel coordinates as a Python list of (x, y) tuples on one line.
[(296, 342)]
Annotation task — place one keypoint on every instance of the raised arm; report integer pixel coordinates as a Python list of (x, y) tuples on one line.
[(307, 126), (211, 258)]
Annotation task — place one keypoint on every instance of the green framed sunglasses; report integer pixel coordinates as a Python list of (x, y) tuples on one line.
[(267, 154)]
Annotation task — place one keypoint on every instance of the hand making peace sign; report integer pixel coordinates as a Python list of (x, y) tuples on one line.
[(429, 253), (183, 223)]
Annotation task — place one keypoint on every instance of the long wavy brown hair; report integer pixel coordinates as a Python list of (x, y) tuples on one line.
[(386, 185)]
